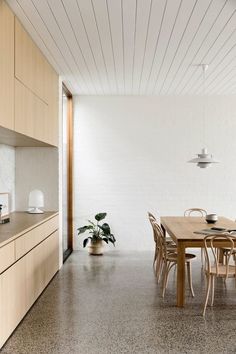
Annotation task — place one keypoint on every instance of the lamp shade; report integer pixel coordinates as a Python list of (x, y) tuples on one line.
[(36, 201), (204, 159)]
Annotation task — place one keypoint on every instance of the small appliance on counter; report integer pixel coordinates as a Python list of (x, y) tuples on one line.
[(4, 208), (36, 201), (3, 218)]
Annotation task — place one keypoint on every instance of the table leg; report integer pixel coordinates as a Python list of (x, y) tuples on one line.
[(181, 274)]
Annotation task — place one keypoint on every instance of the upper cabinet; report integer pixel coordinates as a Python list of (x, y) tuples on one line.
[(36, 90), (29, 92), (31, 67), (6, 66)]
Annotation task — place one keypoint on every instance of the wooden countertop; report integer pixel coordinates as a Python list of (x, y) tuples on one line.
[(20, 223)]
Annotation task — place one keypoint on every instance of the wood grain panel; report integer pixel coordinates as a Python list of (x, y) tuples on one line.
[(7, 256), (31, 113), (26, 242), (23, 282), (6, 66), (13, 299), (53, 113), (30, 66), (42, 264)]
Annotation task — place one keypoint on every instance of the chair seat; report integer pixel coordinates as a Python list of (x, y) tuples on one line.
[(170, 242), (227, 249), (172, 257), (222, 271), (171, 246)]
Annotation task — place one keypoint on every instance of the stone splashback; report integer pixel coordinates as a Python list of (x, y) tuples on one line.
[(7, 172)]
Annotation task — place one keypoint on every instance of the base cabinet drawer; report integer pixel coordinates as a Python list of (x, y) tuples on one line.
[(28, 241), (7, 256), (23, 282)]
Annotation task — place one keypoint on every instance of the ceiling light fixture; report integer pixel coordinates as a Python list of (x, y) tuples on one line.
[(204, 160)]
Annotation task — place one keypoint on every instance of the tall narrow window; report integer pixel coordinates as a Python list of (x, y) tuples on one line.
[(67, 192)]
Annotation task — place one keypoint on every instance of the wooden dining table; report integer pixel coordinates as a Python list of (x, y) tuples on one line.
[(183, 231)]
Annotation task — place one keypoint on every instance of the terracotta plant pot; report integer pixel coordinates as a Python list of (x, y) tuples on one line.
[(96, 248)]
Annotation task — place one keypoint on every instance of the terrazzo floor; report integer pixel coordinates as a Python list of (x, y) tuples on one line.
[(112, 304)]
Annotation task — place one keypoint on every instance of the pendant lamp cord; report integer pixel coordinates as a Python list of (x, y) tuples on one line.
[(204, 69), (204, 103)]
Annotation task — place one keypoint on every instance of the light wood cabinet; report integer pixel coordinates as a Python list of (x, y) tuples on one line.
[(25, 278), (42, 264), (29, 240), (39, 90), (7, 256), (6, 66), (31, 113), (31, 68), (53, 113), (13, 299), (29, 84)]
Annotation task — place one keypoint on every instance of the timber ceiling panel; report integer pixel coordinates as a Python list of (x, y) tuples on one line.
[(126, 47)]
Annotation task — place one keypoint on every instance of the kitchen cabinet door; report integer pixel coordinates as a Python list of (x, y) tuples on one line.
[(13, 299), (6, 66)]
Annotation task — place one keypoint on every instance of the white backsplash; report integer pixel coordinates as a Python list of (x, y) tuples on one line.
[(7, 172), (37, 168)]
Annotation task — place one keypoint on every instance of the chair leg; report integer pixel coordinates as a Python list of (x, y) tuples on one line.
[(159, 264), (202, 257), (160, 271), (164, 279), (167, 271), (154, 260), (207, 293), (189, 271), (212, 289)]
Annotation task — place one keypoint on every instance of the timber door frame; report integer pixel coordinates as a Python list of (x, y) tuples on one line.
[(69, 171)]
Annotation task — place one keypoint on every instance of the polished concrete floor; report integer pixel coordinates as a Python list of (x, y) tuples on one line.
[(112, 304)]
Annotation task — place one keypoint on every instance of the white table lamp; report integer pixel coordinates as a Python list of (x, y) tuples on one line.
[(36, 201)]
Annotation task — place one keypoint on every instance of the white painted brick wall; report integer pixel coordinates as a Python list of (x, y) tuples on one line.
[(131, 156)]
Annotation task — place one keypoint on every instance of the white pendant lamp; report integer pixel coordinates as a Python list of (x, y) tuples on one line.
[(204, 159)]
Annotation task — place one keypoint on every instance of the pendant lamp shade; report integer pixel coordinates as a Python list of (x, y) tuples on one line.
[(204, 159)]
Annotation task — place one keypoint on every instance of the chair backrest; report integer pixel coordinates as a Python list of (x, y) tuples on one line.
[(150, 215), (198, 211), (152, 219), (160, 239), (211, 247)]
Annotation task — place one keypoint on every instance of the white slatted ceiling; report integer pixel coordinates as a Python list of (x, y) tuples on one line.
[(136, 46)]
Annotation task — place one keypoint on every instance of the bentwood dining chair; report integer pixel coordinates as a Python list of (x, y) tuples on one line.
[(196, 212), (169, 259), (158, 259), (213, 267)]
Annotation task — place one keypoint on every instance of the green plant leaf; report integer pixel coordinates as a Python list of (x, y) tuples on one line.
[(105, 228), (84, 228), (112, 238), (100, 216), (105, 239), (85, 241)]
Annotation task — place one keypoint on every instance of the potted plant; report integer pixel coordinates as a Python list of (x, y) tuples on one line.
[(99, 233)]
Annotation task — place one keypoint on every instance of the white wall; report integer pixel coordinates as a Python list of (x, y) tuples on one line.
[(7, 172), (36, 168), (131, 156)]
